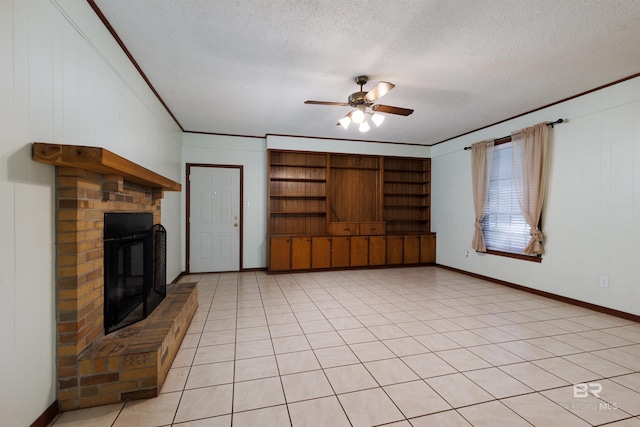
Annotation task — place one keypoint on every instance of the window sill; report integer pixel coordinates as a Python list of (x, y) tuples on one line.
[(530, 258)]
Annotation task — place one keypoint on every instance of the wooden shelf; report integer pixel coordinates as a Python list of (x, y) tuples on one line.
[(298, 213), (289, 165), (398, 181), (282, 196), (100, 160), (406, 220), (404, 170), (406, 206), (297, 179), (356, 167), (406, 194)]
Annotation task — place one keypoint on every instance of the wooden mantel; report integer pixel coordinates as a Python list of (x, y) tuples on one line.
[(103, 161)]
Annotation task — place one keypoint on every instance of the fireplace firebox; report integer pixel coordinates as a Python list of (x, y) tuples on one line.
[(134, 268)]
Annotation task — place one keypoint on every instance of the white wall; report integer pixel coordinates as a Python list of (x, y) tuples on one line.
[(344, 146), (238, 151), (64, 80), (592, 217)]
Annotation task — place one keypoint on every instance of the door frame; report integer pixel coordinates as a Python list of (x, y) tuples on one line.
[(188, 207)]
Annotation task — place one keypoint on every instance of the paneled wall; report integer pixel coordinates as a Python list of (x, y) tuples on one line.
[(592, 216), (64, 80)]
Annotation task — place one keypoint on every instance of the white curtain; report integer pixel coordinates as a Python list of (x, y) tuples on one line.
[(481, 158), (530, 152)]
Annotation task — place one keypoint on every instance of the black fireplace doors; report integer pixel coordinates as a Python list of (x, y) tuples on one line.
[(134, 268)]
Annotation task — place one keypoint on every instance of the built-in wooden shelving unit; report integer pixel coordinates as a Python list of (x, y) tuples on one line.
[(328, 210), (297, 193), (407, 200)]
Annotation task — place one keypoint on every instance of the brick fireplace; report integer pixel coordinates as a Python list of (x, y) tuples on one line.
[(131, 363)]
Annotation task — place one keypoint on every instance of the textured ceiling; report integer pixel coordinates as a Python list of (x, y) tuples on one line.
[(245, 67)]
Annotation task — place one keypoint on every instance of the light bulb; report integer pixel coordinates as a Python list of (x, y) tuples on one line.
[(364, 126), (344, 122), (357, 116), (377, 119)]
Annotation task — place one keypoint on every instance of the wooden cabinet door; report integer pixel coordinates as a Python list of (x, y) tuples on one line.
[(394, 249), (359, 250), (340, 251), (320, 252), (377, 250), (300, 253), (428, 248), (279, 253), (411, 249)]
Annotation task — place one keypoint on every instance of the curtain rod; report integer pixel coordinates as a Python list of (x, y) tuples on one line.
[(509, 136)]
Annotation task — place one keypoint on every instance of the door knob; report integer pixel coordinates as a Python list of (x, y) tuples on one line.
[(235, 225)]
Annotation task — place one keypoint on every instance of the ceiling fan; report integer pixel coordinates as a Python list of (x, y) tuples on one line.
[(364, 101)]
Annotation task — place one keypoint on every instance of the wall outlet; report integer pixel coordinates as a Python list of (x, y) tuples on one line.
[(604, 282), (466, 254)]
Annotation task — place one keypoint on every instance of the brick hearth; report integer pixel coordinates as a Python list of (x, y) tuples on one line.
[(131, 363)]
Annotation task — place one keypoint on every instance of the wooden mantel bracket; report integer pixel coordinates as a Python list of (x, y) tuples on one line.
[(103, 161)]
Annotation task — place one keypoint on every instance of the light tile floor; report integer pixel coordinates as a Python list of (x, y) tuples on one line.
[(420, 346)]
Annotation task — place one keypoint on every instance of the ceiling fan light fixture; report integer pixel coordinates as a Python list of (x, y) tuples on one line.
[(357, 116), (344, 122), (377, 119), (364, 103)]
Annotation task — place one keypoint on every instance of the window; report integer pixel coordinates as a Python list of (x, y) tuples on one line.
[(504, 226)]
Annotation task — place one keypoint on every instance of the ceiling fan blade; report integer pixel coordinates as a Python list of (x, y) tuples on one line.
[(378, 91), (340, 104), (392, 110)]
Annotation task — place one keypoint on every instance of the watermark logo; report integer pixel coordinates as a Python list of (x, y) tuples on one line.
[(583, 390)]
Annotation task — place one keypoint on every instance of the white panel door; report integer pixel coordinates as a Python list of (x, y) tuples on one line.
[(214, 223)]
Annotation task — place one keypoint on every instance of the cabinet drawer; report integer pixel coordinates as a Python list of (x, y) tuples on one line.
[(373, 228), (344, 228)]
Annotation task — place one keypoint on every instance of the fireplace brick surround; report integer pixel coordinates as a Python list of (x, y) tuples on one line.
[(131, 363)]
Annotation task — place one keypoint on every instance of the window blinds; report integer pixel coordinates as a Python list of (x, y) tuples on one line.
[(504, 226)]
